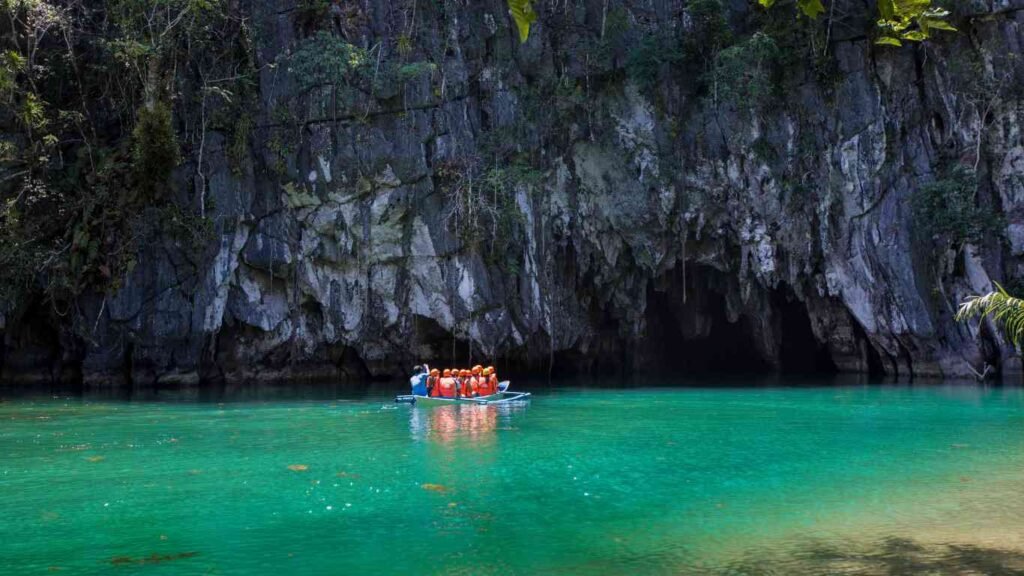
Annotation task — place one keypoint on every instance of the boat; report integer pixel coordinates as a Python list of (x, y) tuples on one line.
[(503, 395)]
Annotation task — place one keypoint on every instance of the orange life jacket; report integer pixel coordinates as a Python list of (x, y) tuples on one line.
[(483, 387), (446, 389), (494, 382), (469, 386)]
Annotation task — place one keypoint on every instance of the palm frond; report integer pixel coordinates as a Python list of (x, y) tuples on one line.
[(1005, 310)]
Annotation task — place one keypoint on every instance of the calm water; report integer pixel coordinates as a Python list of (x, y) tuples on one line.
[(841, 480)]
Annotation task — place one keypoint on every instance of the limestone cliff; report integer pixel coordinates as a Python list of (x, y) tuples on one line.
[(590, 198)]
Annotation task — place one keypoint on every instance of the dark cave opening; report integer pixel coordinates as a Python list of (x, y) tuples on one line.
[(440, 348), (695, 336), (435, 345), (688, 329), (34, 350), (799, 351)]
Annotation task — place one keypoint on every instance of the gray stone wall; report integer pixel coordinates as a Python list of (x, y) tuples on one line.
[(649, 219)]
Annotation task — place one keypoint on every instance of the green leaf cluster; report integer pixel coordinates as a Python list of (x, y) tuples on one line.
[(742, 73), (690, 54), (407, 72), (645, 63), (155, 151), (898, 20), (809, 8), (999, 306), (325, 59), (709, 30), (947, 209), (12, 63), (909, 20), (523, 15)]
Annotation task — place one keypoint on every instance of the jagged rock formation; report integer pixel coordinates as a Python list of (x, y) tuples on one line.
[(618, 224)]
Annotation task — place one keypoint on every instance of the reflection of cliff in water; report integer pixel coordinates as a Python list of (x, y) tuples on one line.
[(474, 424)]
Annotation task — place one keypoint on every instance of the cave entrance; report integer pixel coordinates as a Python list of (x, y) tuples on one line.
[(799, 351), (689, 330), (33, 350), (696, 336)]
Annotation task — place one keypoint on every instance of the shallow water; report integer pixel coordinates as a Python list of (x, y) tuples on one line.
[(737, 480)]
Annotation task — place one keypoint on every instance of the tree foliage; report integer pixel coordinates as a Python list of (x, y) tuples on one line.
[(898, 20), (741, 73), (1005, 310), (523, 15), (325, 59), (947, 209), (646, 61), (154, 148), (103, 95)]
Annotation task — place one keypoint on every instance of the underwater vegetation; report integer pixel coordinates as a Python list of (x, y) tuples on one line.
[(153, 558)]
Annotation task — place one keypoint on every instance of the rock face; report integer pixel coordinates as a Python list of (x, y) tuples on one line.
[(546, 202)]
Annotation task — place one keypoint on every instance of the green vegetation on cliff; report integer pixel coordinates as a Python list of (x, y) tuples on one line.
[(948, 212), (898, 20), (102, 98)]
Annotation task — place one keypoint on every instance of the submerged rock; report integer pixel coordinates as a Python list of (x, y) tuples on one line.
[(153, 558)]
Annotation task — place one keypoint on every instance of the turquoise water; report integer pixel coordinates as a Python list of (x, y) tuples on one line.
[(849, 479)]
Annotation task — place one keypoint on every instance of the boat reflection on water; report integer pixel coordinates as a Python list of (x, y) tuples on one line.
[(470, 423)]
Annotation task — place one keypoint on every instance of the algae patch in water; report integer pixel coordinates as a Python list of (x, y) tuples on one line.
[(153, 558), (298, 467), (892, 555)]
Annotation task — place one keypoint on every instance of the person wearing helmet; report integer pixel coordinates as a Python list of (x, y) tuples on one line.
[(456, 389), (492, 379), (445, 384), (449, 385), (476, 375), (483, 384), (460, 379), (468, 383), (433, 381)]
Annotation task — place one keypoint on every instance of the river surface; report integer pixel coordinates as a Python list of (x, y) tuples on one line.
[(745, 479)]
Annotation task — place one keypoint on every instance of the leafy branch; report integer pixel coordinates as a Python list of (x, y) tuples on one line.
[(523, 15), (898, 20), (1003, 309)]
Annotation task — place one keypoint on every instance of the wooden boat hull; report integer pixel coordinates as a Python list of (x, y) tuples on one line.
[(435, 401), (502, 396)]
